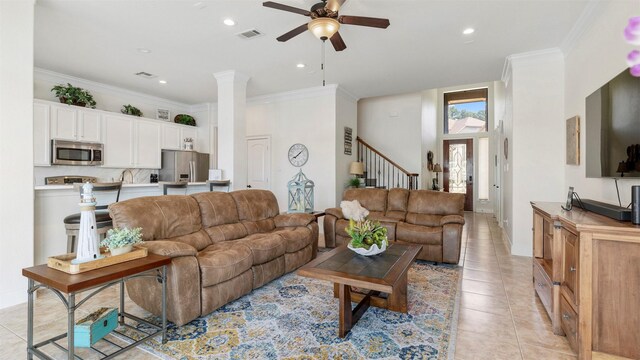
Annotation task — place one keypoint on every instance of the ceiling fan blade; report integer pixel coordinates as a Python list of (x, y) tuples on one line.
[(364, 21), (275, 5), (337, 42), (295, 32), (334, 5)]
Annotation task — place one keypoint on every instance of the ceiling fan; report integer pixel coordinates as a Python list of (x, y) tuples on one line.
[(325, 21)]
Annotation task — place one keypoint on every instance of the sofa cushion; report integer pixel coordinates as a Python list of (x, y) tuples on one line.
[(198, 239), (260, 226), (226, 232), (424, 219), (370, 199), (397, 201), (255, 205), (160, 217), (264, 247), (217, 208), (435, 203), (221, 262), (295, 238), (419, 234)]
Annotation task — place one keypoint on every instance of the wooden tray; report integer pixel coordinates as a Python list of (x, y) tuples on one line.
[(63, 262)]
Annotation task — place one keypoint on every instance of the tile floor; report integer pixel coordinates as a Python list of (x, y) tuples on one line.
[(500, 316)]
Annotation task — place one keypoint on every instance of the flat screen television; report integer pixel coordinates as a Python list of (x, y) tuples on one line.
[(612, 124)]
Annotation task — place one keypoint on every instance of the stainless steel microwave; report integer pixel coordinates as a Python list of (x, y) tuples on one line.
[(76, 153)]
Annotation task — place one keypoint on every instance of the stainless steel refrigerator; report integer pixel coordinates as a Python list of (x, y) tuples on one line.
[(184, 166)]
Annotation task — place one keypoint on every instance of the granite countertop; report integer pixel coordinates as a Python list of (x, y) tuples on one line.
[(124, 186)]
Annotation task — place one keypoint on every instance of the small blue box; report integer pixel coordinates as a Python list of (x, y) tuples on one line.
[(95, 326)]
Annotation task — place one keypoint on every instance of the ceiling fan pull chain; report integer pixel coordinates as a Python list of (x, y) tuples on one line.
[(322, 67)]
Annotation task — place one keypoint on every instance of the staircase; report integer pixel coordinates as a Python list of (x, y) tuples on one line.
[(381, 172)]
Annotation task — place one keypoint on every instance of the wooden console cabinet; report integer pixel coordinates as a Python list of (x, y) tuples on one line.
[(586, 271)]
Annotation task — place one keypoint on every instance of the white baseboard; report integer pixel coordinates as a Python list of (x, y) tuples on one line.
[(506, 237)]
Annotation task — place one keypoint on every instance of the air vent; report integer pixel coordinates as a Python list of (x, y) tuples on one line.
[(250, 34), (146, 75)]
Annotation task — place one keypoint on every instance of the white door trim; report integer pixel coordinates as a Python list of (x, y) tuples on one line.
[(261, 137)]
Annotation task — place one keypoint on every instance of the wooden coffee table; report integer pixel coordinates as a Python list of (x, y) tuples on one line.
[(382, 274)]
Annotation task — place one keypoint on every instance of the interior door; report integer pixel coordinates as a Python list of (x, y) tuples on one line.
[(458, 169), (258, 163)]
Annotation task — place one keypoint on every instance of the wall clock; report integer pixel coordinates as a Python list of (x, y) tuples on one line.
[(298, 155)]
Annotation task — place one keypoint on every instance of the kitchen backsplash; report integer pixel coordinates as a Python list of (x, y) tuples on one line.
[(138, 176)]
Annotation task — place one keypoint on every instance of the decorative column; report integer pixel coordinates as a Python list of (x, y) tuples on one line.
[(232, 143)]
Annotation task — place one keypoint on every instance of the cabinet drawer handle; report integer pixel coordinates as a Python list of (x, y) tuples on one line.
[(572, 269), (566, 316), (540, 284)]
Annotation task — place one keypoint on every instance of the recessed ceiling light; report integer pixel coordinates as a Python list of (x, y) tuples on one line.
[(300, 66), (162, 81), (468, 31), (229, 22), (144, 51)]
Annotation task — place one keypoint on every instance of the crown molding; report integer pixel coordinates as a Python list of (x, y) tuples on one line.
[(347, 94), (530, 55), (330, 89), (584, 22), (52, 76)]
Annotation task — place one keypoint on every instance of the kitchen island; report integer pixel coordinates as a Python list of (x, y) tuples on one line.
[(54, 202)]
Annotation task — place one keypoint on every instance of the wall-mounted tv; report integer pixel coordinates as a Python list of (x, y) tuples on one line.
[(613, 128)]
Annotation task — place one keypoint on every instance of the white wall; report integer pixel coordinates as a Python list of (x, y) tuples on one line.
[(536, 136), (429, 136), (307, 117), (595, 58), (16, 132), (392, 125), (346, 115)]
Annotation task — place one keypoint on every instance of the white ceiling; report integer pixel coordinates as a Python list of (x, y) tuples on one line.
[(422, 49)]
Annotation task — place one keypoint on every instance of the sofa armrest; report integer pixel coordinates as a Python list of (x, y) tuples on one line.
[(337, 212), (171, 249), (329, 226), (288, 220), (452, 219), (451, 242)]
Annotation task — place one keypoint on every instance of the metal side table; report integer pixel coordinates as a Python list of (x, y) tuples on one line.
[(61, 283)]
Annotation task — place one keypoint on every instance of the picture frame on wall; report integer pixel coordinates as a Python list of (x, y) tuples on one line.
[(347, 140), (573, 141), (163, 114)]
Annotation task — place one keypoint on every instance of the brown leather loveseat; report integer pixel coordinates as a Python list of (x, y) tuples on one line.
[(222, 245), (432, 219)]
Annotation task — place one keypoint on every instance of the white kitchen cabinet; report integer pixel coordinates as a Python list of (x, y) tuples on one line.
[(89, 126), (41, 135), (118, 140), (74, 123), (173, 135), (147, 145)]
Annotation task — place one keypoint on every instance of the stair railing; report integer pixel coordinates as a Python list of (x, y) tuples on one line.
[(382, 172)]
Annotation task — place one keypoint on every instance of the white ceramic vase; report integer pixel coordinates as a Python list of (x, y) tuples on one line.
[(373, 249), (121, 250)]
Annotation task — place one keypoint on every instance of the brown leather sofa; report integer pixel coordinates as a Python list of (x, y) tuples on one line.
[(222, 245), (432, 219)]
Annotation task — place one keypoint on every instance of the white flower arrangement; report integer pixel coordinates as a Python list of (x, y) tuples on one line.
[(117, 238), (352, 210)]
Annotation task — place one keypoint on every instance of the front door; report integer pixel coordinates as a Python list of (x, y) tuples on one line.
[(258, 163), (458, 169)]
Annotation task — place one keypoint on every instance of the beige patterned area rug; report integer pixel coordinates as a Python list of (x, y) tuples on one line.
[(297, 318)]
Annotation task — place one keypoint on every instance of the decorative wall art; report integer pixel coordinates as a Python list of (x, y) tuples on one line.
[(573, 141), (347, 140), (163, 114)]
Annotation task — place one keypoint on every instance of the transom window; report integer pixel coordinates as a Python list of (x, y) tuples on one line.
[(466, 112)]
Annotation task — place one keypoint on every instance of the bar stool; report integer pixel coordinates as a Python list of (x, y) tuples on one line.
[(219, 183), (172, 185), (103, 220)]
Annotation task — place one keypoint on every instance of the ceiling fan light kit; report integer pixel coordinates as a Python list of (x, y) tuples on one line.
[(324, 28)]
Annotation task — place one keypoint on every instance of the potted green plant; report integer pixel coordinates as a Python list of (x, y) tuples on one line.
[(121, 241), (353, 182), (185, 119), (368, 237), (72, 95), (130, 110)]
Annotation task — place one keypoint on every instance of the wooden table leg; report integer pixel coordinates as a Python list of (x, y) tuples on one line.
[(397, 300), (346, 314)]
